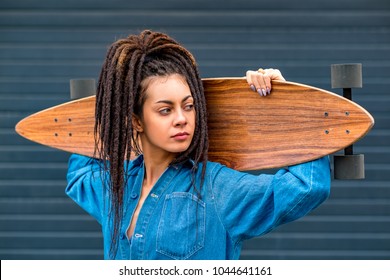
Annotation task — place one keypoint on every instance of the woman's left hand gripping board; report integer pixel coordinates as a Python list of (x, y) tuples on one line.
[(260, 80)]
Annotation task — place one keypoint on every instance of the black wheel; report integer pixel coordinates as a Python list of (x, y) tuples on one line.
[(349, 167), (346, 75), (80, 88)]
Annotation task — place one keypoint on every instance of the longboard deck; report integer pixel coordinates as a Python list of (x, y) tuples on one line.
[(294, 124)]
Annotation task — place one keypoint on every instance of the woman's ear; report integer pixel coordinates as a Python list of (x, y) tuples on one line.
[(137, 124)]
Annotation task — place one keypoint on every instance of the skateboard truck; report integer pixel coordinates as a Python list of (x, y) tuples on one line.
[(80, 88), (349, 165)]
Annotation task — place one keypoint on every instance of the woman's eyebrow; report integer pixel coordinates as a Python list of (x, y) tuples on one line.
[(185, 98), (171, 102)]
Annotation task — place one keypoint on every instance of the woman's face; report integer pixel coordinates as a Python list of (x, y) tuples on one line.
[(168, 119)]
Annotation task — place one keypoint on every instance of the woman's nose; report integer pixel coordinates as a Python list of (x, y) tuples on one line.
[(180, 118)]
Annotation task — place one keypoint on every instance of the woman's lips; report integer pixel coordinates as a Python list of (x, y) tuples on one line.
[(181, 136)]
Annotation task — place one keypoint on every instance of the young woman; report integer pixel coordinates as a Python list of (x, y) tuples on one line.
[(171, 202)]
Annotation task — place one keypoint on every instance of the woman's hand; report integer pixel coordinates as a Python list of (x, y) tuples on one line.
[(260, 80)]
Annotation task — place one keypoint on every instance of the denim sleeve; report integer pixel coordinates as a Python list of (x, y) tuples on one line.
[(85, 185), (250, 205)]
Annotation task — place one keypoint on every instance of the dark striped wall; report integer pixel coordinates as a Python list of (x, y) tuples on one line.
[(44, 44)]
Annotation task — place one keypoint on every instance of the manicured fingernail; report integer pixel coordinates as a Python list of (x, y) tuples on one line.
[(259, 91), (264, 92), (268, 90), (253, 88)]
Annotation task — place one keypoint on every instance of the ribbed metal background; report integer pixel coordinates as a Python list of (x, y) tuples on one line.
[(44, 44)]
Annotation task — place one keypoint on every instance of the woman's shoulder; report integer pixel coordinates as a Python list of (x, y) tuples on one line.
[(78, 162), (213, 168)]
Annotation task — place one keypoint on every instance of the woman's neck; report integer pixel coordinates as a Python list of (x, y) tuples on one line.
[(154, 167)]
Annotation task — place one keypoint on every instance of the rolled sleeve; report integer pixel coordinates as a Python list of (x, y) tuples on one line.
[(250, 205), (85, 184)]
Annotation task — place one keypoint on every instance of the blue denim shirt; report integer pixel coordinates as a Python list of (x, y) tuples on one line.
[(176, 223)]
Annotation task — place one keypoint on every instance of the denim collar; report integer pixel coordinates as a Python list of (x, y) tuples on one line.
[(139, 161)]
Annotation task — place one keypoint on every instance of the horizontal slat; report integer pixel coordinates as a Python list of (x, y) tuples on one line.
[(360, 189), (338, 224), (51, 254), (42, 206), (50, 240), (8, 120), (322, 241), (82, 69), (39, 154), (32, 188), (28, 104), (32, 171), (249, 254), (319, 70), (373, 105), (10, 137), (191, 5), (193, 18), (348, 207), (272, 35), (89, 55), (287, 66), (43, 86), (53, 223), (373, 155)]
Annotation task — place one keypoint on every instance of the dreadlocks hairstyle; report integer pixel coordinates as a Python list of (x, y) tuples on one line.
[(121, 94)]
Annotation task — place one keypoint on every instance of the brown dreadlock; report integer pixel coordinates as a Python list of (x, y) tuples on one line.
[(120, 95)]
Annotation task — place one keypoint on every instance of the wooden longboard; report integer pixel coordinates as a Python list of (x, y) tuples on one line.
[(294, 124)]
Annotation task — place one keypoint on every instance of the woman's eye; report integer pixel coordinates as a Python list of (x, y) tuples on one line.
[(189, 107), (165, 111)]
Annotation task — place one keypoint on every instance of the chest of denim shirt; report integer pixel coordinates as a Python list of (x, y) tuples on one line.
[(175, 222)]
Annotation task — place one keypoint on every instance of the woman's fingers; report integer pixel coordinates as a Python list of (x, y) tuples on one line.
[(274, 74), (259, 82)]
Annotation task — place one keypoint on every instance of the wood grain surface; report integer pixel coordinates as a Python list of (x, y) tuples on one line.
[(294, 124)]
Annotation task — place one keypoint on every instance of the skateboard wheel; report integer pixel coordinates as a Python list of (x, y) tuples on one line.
[(80, 88), (348, 167), (346, 75)]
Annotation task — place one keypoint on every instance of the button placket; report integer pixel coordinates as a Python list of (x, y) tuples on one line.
[(147, 210)]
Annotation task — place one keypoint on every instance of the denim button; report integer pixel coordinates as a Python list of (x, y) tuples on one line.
[(134, 195)]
